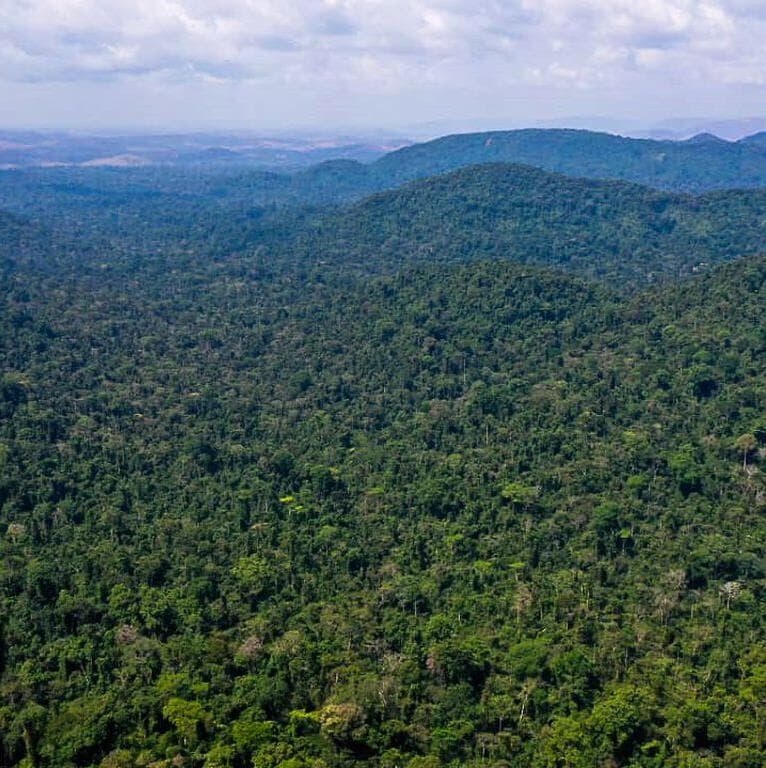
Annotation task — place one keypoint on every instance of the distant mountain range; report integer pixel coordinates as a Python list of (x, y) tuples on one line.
[(29, 149), (342, 169), (514, 194), (703, 162), (732, 129), (699, 164)]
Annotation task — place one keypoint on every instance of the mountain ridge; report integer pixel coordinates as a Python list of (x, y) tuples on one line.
[(618, 230)]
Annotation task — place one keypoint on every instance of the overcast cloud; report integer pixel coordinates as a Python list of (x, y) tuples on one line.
[(263, 63)]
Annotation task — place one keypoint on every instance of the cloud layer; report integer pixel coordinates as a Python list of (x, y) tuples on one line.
[(466, 49)]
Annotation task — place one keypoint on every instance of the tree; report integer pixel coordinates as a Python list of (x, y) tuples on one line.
[(189, 718), (746, 444)]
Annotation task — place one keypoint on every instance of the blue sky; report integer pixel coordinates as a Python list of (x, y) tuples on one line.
[(363, 64)]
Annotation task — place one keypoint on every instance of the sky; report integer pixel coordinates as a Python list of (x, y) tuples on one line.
[(388, 65)]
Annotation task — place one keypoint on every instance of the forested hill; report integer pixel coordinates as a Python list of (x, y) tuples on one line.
[(697, 165), (624, 233), (175, 198), (471, 515), (684, 166)]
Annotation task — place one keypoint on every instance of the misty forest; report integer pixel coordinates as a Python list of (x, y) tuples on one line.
[(451, 456)]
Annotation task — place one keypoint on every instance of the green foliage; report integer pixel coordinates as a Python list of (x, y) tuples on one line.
[(260, 511), (627, 235)]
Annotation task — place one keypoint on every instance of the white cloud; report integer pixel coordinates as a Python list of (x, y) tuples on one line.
[(82, 38), (462, 47)]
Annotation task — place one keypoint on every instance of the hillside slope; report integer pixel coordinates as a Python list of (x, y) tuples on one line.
[(682, 166), (624, 233)]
